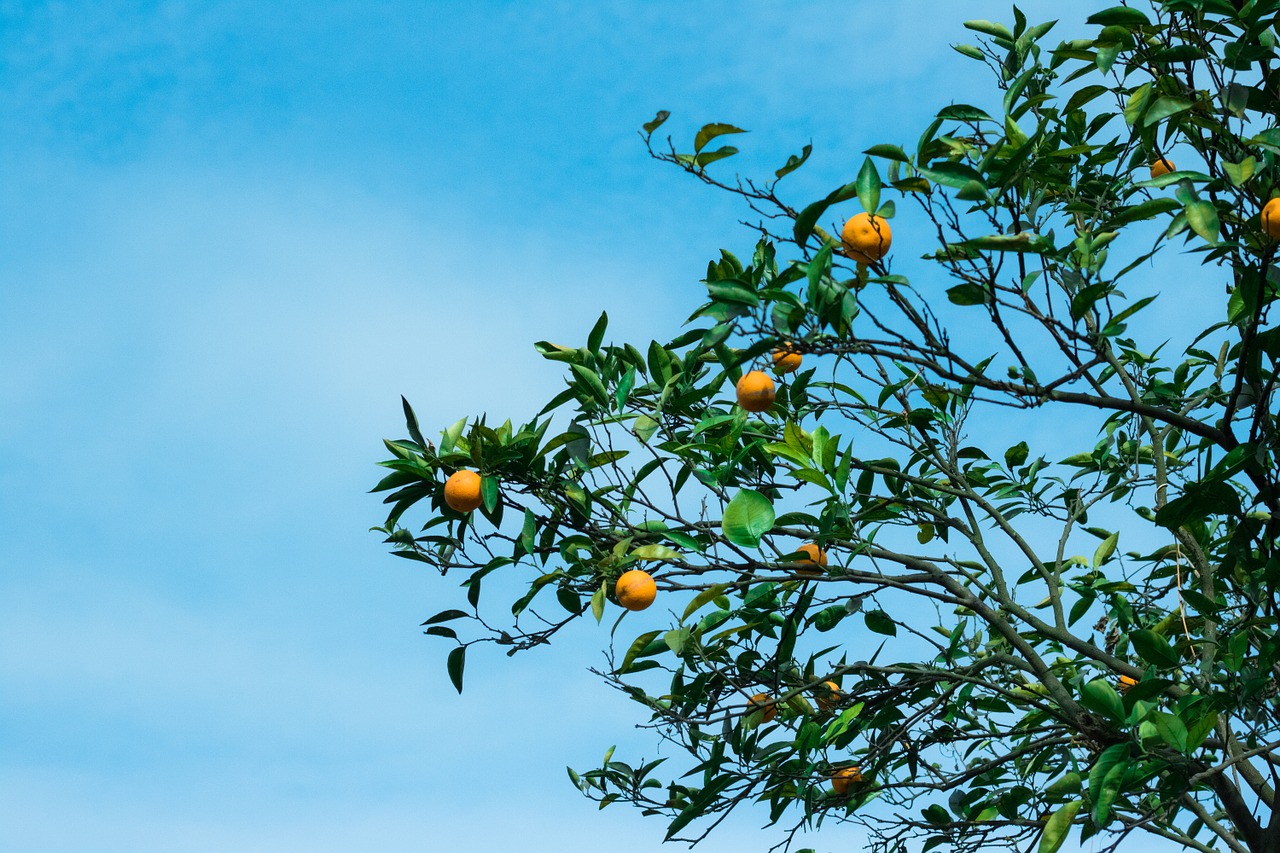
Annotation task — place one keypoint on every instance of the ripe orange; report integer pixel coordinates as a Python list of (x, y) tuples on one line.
[(828, 695), (1126, 683), (764, 704), (844, 778), (462, 491), (636, 590), (866, 238), (1271, 218), (815, 561), (756, 392), (785, 361), (1163, 166)]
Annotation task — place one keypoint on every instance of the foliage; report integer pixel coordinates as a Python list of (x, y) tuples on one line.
[(1028, 643)]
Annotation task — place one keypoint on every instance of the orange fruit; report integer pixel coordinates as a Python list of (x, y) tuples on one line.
[(1126, 683), (815, 561), (866, 238), (828, 695), (462, 491), (1162, 166), (785, 361), (844, 778), (1271, 218), (762, 703), (636, 590), (756, 392)]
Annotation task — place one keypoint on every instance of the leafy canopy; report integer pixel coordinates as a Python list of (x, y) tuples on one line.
[(1071, 636)]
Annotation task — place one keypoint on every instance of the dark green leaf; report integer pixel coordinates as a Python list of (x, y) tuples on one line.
[(1154, 648), (880, 622), (1016, 455), (596, 337), (888, 152), (794, 162), (456, 663), (1123, 16)]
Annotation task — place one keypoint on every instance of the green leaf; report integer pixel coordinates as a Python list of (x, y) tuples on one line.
[(888, 152), (651, 126), (411, 423), (655, 552), (1033, 243), (1016, 455), (710, 132), (879, 621), (794, 162), (528, 531), (445, 616), (762, 596), (968, 294), (677, 639), (1201, 729), (747, 518), (489, 493), (644, 428), (1154, 648), (1171, 730), (1106, 549), (592, 382), (809, 217), (706, 158), (1164, 107), (1137, 104), (597, 604), (456, 663), (1104, 780), (1119, 16), (869, 186), (1058, 826), (1108, 791), (569, 600), (596, 337), (636, 648), (830, 617), (962, 112), (1100, 696), (1241, 172), (709, 594), (1202, 216), (990, 28)]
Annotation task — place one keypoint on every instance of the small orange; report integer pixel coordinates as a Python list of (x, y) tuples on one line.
[(756, 392), (636, 589), (815, 561), (866, 237), (764, 704), (844, 778), (1126, 683), (1271, 218), (1163, 166), (828, 695), (462, 491), (785, 360)]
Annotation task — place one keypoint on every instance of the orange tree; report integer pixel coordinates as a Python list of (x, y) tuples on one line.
[(1070, 640)]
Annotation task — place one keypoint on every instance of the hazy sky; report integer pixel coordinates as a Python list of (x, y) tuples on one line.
[(231, 235)]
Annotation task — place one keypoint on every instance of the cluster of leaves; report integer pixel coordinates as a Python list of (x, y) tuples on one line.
[(1011, 675)]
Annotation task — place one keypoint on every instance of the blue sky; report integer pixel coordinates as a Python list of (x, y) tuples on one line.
[(231, 235)]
